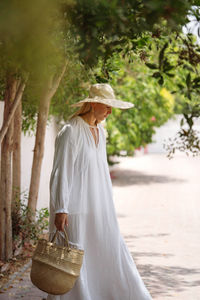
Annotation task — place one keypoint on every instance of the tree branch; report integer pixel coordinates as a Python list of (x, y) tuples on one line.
[(57, 79), (14, 106)]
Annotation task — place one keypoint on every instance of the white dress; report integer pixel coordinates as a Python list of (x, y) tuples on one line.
[(80, 185)]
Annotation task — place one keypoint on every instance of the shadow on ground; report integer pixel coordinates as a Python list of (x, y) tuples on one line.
[(166, 281), (129, 238), (162, 280), (123, 177)]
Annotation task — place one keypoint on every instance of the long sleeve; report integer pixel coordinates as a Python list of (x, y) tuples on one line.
[(63, 169)]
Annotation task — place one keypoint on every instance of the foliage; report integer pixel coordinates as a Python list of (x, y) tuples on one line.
[(81, 32), (29, 34), (36, 37), (185, 140), (153, 105), (73, 88), (177, 67), (103, 27), (32, 43), (23, 230)]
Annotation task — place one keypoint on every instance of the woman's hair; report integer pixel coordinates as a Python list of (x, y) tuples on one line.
[(84, 109)]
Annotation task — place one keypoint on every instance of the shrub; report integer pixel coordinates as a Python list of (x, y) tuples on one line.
[(24, 230)]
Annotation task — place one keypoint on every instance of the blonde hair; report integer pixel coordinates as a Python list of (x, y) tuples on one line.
[(84, 109)]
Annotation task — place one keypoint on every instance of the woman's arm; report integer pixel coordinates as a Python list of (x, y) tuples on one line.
[(60, 221), (62, 176)]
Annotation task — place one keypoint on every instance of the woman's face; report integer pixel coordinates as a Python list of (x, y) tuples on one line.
[(101, 111)]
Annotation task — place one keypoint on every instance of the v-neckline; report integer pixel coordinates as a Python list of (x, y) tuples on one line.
[(91, 135)]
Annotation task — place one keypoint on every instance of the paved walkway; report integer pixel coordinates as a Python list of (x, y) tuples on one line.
[(158, 208), (20, 287)]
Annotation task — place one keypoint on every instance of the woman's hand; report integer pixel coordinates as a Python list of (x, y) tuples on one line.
[(60, 221)]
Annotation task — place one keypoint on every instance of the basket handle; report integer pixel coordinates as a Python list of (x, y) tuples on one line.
[(66, 237)]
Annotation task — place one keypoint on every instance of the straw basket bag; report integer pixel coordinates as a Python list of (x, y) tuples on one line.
[(55, 268)]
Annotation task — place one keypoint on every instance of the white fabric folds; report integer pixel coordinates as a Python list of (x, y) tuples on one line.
[(80, 185)]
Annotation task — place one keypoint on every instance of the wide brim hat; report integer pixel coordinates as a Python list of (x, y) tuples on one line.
[(103, 93)]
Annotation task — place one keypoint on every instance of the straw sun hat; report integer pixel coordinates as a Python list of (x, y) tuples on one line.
[(103, 93)]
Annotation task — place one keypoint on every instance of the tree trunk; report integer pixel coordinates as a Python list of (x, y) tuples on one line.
[(50, 89), (8, 193), (38, 150), (6, 176), (12, 109), (17, 158)]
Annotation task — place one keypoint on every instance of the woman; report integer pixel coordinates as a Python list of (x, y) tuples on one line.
[(81, 200)]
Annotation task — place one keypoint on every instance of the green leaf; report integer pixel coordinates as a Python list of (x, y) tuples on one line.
[(190, 122), (180, 86), (196, 80), (161, 55), (182, 122), (170, 75), (189, 68), (198, 31), (151, 66), (161, 80), (188, 80), (168, 67), (156, 75)]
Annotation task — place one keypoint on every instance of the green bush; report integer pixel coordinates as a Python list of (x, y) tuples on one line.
[(24, 228)]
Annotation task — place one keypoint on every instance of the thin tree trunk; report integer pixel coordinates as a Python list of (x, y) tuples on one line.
[(51, 87), (12, 110), (38, 150), (8, 192), (17, 158), (6, 176)]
